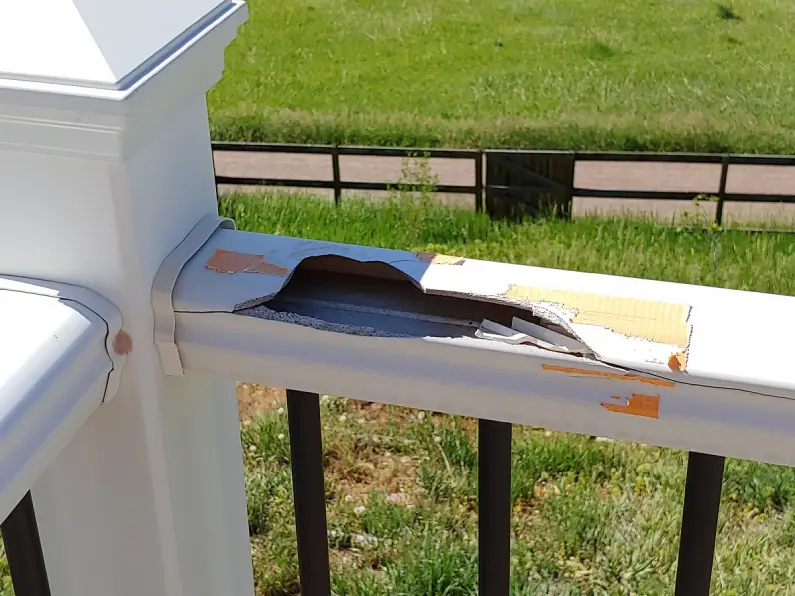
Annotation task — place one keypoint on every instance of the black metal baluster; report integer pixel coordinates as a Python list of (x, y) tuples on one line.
[(494, 508), (306, 448), (23, 550), (699, 524)]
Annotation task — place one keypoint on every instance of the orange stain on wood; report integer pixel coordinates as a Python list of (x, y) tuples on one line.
[(227, 261), (436, 259), (608, 375), (638, 404), (678, 361)]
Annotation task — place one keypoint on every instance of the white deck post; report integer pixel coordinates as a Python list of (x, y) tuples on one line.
[(106, 165)]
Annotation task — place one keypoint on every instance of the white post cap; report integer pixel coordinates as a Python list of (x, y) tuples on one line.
[(75, 73)]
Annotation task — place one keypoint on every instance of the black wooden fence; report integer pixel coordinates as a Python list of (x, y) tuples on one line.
[(511, 182)]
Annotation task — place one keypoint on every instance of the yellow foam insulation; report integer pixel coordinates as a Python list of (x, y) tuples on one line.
[(435, 259), (227, 261), (661, 322)]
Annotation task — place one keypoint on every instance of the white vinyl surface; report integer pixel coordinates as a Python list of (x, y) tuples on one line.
[(54, 369)]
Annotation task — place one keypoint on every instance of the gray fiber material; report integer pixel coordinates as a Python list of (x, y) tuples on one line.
[(263, 312)]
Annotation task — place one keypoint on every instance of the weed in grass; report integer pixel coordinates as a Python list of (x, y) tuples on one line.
[(451, 469), (434, 564), (539, 459), (417, 181), (268, 438), (598, 50), (726, 13), (758, 487), (6, 589), (267, 495)]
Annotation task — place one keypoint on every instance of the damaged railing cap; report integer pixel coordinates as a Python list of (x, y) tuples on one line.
[(166, 280), (691, 333)]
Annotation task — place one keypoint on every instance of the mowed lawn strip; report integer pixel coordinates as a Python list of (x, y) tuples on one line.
[(678, 75)]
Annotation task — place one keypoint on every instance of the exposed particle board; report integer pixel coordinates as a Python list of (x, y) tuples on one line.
[(227, 261), (638, 404), (608, 375), (660, 322)]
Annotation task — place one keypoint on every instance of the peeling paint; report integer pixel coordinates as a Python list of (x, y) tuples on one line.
[(122, 343), (638, 404), (608, 375), (678, 361), (661, 322), (436, 259), (227, 261)]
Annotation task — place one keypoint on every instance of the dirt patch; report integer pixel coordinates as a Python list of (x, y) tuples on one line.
[(397, 476), (255, 400)]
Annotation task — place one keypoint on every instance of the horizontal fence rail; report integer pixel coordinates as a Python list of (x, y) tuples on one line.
[(513, 192), (337, 184)]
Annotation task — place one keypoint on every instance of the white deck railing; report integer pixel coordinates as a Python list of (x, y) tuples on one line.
[(128, 309), (629, 359)]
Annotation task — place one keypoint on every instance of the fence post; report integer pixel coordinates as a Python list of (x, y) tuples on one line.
[(529, 183), (724, 174), (335, 167), (102, 178), (479, 182)]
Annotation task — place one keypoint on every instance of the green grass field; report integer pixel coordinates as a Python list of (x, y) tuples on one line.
[(572, 74), (590, 517)]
